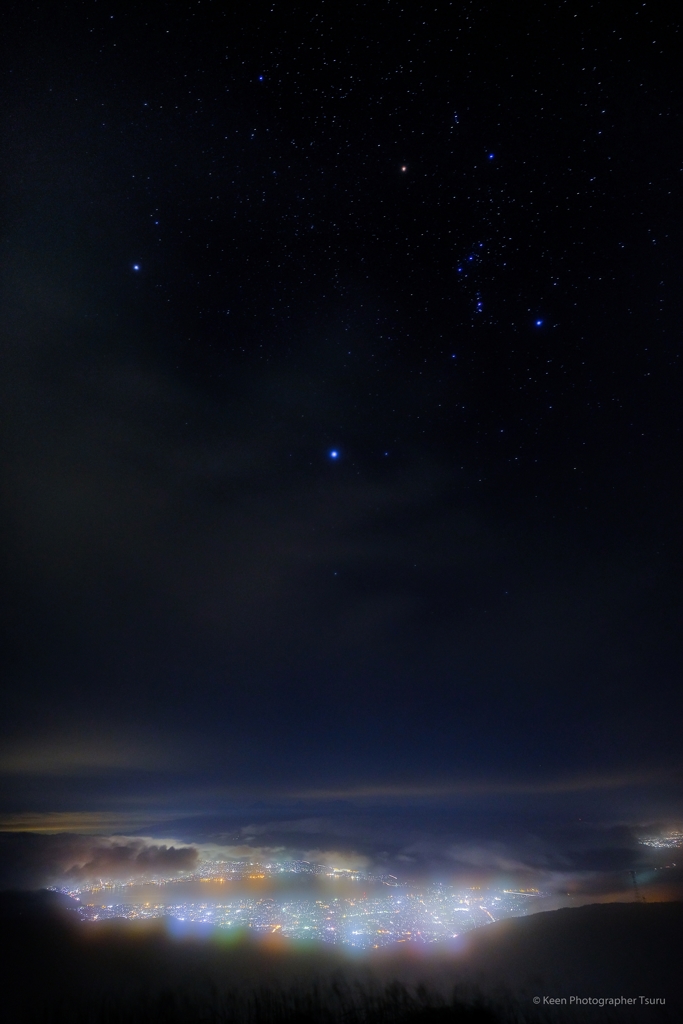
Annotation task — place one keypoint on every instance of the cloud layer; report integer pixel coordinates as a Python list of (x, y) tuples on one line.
[(30, 861)]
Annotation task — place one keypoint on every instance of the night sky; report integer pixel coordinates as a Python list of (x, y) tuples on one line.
[(341, 405)]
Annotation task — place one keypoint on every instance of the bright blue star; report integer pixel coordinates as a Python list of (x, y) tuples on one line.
[(490, 156), (334, 454), (136, 266), (539, 323)]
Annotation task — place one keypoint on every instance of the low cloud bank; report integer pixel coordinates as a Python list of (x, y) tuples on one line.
[(30, 861), (134, 858), (580, 860)]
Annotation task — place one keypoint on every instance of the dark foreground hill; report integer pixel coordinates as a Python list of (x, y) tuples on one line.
[(600, 950), (56, 968)]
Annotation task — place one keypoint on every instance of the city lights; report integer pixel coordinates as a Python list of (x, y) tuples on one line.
[(405, 913)]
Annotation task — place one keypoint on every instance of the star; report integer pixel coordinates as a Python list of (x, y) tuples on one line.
[(136, 266), (334, 454)]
